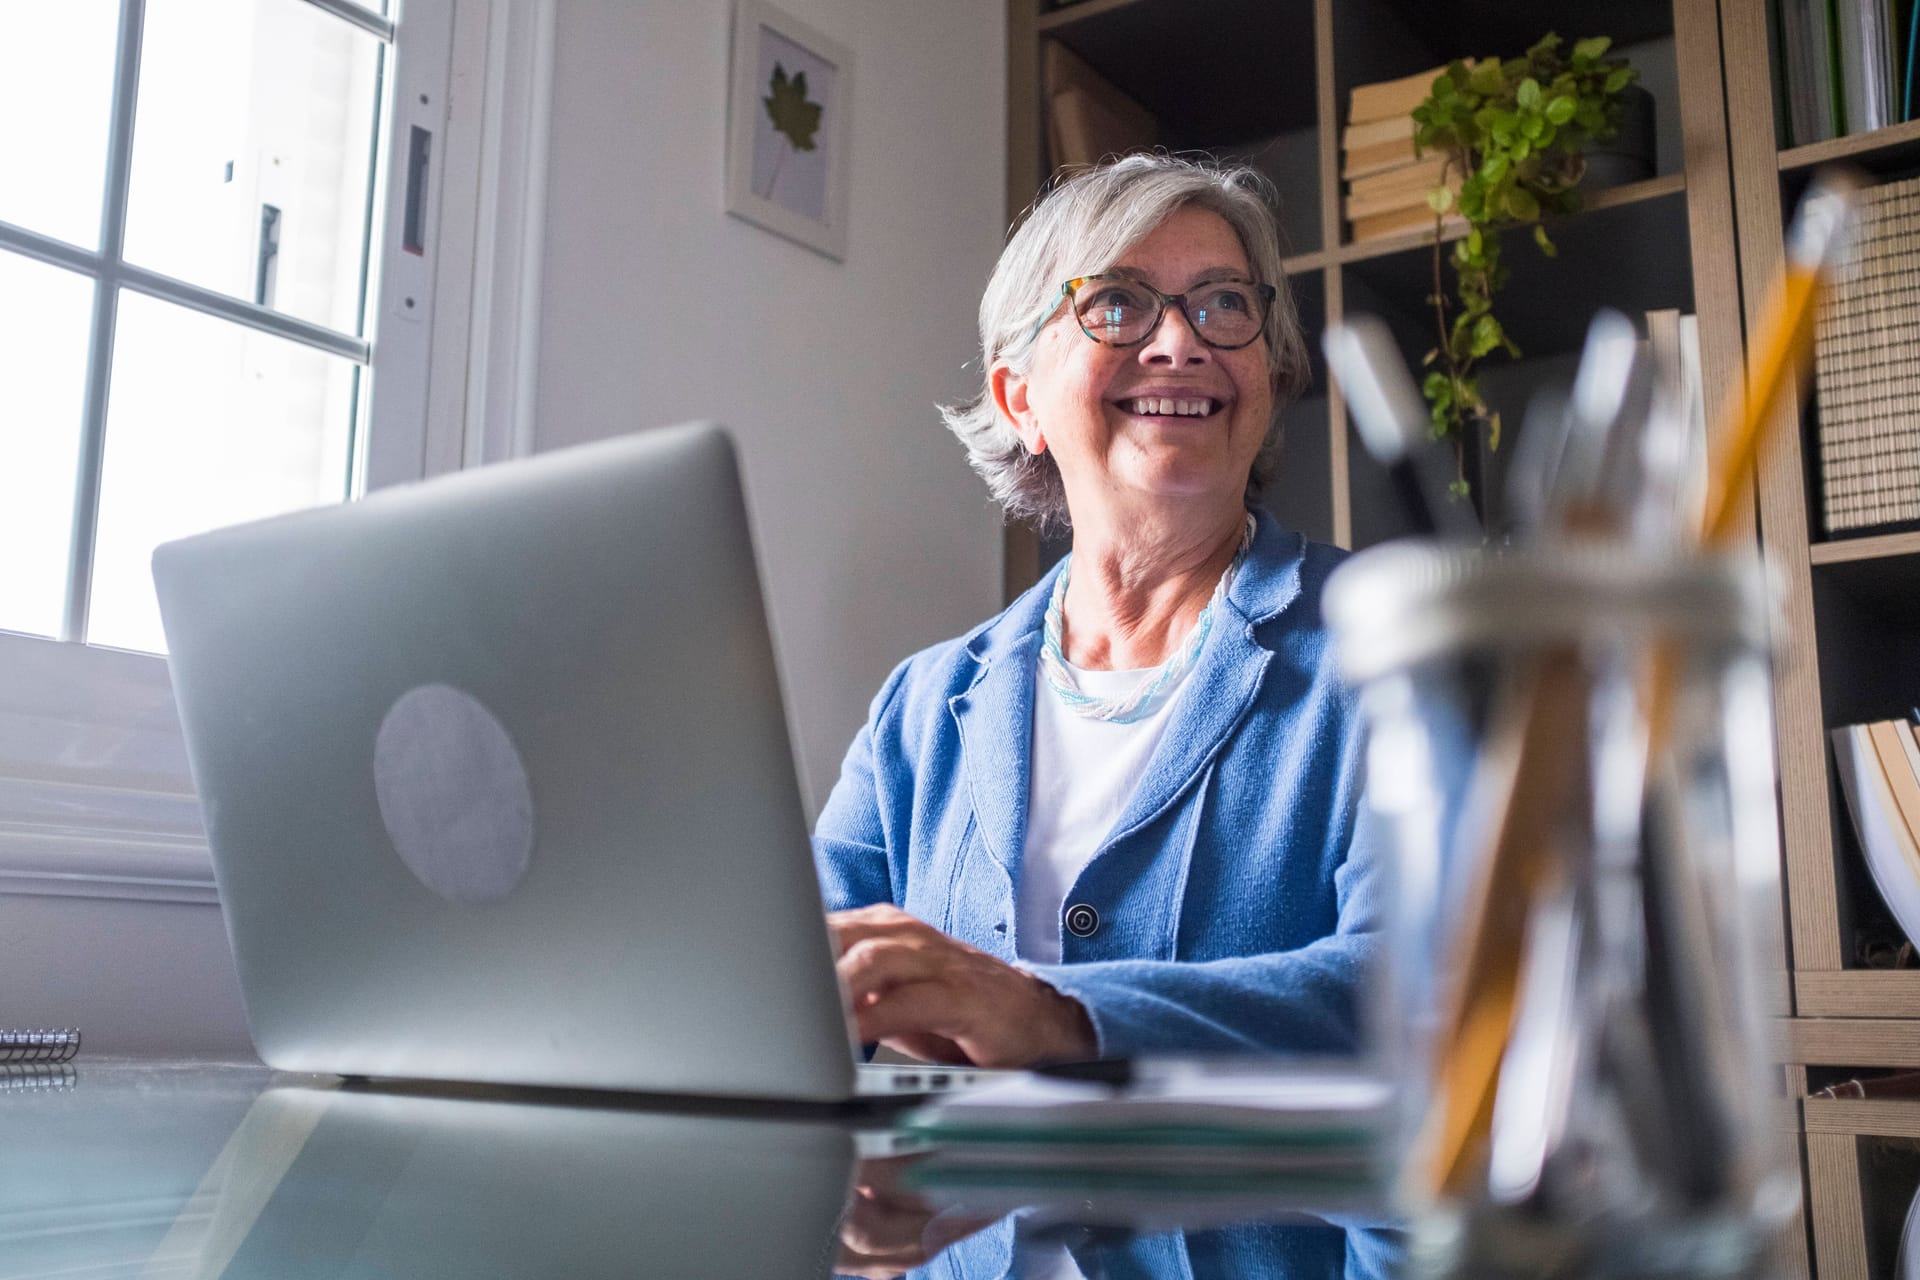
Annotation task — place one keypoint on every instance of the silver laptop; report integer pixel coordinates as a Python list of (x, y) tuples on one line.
[(499, 786)]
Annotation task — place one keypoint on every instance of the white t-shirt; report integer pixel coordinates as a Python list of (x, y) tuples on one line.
[(1083, 773)]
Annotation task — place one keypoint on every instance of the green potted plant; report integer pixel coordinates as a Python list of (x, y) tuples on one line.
[(1515, 133)]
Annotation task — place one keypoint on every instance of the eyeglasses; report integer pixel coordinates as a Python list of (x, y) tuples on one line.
[(1119, 311)]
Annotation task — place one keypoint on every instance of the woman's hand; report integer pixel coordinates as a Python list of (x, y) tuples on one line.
[(916, 990)]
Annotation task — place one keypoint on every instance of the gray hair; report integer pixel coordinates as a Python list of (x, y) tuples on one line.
[(1082, 226)]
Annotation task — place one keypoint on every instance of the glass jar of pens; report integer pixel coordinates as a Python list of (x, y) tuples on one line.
[(1570, 754)]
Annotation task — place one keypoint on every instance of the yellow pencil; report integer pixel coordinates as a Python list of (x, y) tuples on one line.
[(1782, 348)]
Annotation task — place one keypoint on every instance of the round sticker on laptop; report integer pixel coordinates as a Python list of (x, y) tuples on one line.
[(453, 794)]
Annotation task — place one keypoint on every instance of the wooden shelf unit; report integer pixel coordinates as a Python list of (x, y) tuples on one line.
[(1863, 1165), (1854, 146), (1886, 546), (1852, 603), (1852, 635), (1655, 188), (1269, 83)]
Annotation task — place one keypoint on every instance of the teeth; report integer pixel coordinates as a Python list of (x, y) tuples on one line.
[(1168, 406)]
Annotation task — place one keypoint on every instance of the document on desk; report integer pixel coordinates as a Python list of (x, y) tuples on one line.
[(1172, 1114)]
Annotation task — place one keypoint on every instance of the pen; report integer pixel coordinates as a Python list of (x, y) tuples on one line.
[(1393, 424), (1609, 388)]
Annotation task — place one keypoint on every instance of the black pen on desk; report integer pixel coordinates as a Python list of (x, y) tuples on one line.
[(1393, 424), (1117, 1072)]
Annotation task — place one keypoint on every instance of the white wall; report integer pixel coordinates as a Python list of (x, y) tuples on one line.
[(875, 539)]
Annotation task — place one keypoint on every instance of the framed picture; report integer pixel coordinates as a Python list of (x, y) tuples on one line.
[(787, 112)]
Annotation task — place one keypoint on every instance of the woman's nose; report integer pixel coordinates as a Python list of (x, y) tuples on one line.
[(1174, 342)]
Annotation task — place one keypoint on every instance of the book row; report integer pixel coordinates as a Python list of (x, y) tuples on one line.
[(1847, 66)]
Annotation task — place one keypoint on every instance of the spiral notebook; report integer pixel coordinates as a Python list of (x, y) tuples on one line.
[(37, 1059), (27, 1047)]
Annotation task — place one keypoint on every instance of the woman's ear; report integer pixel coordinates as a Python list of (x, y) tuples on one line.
[(1011, 399)]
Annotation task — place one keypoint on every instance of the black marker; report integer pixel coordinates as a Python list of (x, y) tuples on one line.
[(1393, 424), (1117, 1072)]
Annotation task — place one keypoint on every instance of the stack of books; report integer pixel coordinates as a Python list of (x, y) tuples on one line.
[(1867, 369), (1387, 177), (1879, 767), (1088, 118)]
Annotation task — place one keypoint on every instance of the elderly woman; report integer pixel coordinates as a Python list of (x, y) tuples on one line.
[(1120, 816)]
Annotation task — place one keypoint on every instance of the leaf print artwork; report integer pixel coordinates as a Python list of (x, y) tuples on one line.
[(787, 116), (793, 116)]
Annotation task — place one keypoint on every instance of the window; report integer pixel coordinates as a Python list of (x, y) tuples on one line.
[(253, 257), (184, 270)]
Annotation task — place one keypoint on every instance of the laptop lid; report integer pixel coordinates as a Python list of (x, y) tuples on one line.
[(498, 782)]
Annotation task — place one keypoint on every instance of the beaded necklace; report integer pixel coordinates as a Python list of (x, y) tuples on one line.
[(1155, 686)]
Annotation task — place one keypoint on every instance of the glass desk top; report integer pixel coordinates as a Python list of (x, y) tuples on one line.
[(191, 1170)]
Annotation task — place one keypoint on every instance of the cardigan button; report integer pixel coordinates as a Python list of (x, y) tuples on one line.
[(1082, 920)]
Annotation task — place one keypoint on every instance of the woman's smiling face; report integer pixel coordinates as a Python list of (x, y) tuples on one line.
[(1171, 419)]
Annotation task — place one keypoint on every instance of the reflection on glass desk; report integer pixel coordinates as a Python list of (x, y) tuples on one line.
[(160, 1170)]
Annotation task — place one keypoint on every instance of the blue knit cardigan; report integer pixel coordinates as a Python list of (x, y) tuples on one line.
[(1237, 895)]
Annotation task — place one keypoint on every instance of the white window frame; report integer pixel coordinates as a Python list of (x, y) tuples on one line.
[(96, 798)]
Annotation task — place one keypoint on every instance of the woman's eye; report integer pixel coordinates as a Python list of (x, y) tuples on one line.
[(1223, 300)]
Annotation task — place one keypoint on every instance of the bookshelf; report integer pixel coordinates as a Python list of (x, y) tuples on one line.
[(1853, 602), (1850, 651)]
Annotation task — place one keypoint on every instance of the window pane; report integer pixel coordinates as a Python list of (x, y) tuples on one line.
[(56, 97), (252, 153), (208, 423), (44, 318)]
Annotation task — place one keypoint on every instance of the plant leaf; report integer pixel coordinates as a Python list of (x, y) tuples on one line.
[(1546, 245), (788, 108), (1528, 94), (1592, 47), (1522, 204), (1440, 199), (1619, 78), (1486, 335), (1495, 167), (1560, 110)]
